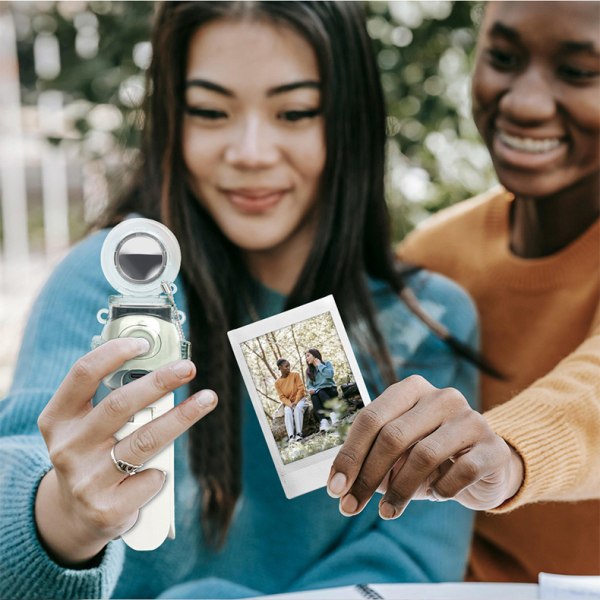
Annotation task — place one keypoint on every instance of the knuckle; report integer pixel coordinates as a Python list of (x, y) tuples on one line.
[(417, 381), (426, 455), (397, 495), (362, 486), (160, 380), (392, 437), (82, 370), (144, 442), (60, 456), (469, 469), (115, 404), (185, 415), (346, 460), (369, 419), (454, 399), (43, 425)]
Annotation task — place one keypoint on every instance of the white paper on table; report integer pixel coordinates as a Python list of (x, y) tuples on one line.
[(568, 587), (419, 591)]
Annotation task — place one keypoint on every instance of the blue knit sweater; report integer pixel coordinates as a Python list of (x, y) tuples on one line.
[(323, 377), (275, 544)]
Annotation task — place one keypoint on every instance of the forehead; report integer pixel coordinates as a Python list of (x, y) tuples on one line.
[(559, 21), (235, 52)]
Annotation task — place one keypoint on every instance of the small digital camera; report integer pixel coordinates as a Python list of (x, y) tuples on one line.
[(141, 258)]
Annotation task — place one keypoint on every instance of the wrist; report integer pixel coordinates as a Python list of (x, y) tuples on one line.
[(516, 473), (66, 540)]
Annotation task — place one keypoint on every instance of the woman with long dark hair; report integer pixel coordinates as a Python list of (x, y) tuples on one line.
[(321, 387), (263, 152)]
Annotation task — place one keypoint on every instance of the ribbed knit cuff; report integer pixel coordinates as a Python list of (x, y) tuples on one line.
[(26, 570), (539, 433)]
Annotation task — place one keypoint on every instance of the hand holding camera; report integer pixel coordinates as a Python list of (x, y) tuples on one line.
[(84, 502), (112, 459)]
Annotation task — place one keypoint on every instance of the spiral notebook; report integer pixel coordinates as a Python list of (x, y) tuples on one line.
[(418, 591)]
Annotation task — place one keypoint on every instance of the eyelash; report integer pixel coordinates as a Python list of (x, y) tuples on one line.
[(575, 74), (505, 61), (291, 116), (502, 60), (204, 113)]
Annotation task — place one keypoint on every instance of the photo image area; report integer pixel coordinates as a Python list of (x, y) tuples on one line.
[(320, 409)]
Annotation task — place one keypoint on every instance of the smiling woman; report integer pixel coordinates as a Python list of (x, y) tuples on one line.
[(254, 140), (529, 253), (263, 152)]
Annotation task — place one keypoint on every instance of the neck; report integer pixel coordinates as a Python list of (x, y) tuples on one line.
[(279, 268), (543, 226)]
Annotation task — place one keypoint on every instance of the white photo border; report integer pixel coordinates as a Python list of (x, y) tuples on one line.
[(309, 473)]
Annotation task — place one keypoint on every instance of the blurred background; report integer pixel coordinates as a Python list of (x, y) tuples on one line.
[(72, 79)]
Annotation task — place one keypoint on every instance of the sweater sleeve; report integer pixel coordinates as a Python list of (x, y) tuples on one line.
[(58, 332), (554, 425), (326, 369)]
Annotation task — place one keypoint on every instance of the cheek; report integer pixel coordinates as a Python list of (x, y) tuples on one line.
[(486, 88), (309, 155), (199, 152)]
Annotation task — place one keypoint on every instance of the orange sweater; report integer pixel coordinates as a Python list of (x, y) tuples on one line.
[(540, 322), (290, 388)]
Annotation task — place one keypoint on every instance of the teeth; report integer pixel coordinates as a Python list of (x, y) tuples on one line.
[(528, 144)]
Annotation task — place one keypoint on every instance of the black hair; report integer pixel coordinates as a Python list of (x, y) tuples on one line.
[(282, 361), (352, 242)]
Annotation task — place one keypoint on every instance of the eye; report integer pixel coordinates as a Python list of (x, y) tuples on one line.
[(205, 113), (298, 115), (500, 59), (575, 74)]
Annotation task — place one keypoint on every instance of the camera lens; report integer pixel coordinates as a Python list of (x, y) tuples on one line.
[(140, 258)]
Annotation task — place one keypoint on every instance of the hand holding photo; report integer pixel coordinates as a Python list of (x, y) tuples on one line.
[(305, 386)]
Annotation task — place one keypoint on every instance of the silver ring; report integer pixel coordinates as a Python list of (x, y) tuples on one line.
[(122, 465)]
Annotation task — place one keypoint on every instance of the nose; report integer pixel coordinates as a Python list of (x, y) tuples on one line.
[(252, 145), (529, 99)]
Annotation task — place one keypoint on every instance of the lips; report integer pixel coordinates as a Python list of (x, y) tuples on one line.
[(527, 152), (527, 144), (255, 200)]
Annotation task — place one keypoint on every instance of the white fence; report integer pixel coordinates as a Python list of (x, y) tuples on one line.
[(42, 190)]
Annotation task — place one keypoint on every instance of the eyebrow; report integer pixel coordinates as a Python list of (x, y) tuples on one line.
[(280, 89), (571, 46)]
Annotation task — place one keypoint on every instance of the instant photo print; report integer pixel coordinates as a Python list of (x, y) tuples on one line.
[(140, 259), (275, 357)]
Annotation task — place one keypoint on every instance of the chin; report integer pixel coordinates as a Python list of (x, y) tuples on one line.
[(533, 185), (250, 241)]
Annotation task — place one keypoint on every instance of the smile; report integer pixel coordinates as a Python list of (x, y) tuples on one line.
[(525, 144), (251, 200)]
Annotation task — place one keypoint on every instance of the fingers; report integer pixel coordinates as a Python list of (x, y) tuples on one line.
[(138, 490), (151, 438), (395, 401), (115, 410), (82, 381), (423, 461)]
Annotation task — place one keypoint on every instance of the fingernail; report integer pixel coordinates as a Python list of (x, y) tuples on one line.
[(205, 398), (164, 475), (183, 369), (387, 511), (336, 485), (142, 345), (348, 505)]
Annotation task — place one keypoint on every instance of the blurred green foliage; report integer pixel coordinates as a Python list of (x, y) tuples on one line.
[(424, 50)]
